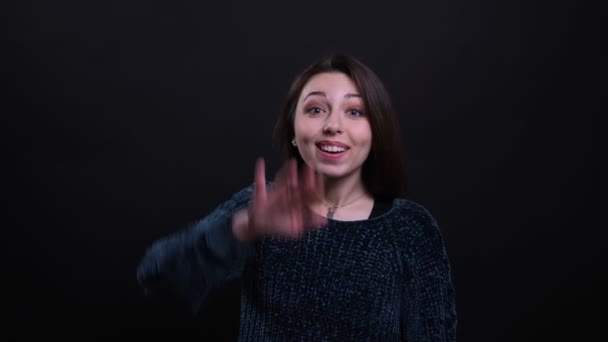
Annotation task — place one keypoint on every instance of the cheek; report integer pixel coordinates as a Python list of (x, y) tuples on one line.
[(303, 130), (364, 136)]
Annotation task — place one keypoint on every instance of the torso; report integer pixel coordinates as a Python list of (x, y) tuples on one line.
[(345, 277)]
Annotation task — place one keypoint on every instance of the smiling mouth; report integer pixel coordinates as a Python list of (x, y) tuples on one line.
[(332, 148)]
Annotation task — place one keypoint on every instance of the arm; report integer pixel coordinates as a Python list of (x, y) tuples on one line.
[(190, 263), (428, 304)]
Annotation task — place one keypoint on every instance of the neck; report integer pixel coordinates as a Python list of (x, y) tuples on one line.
[(339, 191)]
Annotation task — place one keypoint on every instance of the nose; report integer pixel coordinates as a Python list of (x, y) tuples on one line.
[(332, 124)]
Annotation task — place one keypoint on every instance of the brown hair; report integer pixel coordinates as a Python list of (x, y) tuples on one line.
[(383, 170)]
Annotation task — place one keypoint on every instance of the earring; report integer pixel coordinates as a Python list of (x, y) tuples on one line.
[(293, 142)]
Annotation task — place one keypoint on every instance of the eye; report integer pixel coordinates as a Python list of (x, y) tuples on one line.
[(314, 110), (354, 112)]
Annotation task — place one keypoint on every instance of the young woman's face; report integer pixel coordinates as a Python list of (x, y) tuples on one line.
[(332, 131)]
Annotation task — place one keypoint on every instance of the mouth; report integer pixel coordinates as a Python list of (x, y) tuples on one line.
[(331, 150)]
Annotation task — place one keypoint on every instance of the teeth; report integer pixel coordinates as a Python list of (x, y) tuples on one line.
[(332, 149)]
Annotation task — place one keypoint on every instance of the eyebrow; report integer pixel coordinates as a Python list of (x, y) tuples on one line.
[(348, 96), (320, 93)]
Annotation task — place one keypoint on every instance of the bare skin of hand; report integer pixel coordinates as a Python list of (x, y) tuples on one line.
[(282, 209)]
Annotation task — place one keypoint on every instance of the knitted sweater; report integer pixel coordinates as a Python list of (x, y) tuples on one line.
[(382, 279)]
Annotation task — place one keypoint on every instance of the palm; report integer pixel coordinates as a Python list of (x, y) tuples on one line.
[(284, 208)]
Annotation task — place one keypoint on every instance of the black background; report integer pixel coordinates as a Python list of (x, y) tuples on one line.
[(128, 120)]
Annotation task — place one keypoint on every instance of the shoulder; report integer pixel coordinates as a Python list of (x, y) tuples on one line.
[(412, 212), (243, 195), (237, 200), (414, 221), (241, 198)]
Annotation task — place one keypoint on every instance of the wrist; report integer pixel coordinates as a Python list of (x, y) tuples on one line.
[(240, 226)]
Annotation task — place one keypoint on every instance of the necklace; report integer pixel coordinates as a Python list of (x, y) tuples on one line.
[(331, 209)]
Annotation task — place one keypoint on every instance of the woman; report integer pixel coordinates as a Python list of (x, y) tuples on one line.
[(330, 250)]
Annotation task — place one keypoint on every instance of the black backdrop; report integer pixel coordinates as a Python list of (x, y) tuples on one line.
[(128, 120)]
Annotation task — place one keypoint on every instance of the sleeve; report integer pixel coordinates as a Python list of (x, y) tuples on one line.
[(190, 263), (428, 301)]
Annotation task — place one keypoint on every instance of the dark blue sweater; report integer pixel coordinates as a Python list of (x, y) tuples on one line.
[(382, 279)]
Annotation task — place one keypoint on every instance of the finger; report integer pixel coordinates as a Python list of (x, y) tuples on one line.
[(292, 176), (260, 181), (319, 181), (294, 196), (297, 224), (311, 188), (309, 221), (280, 178), (317, 221), (280, 207), (314, 220), (308, 187)]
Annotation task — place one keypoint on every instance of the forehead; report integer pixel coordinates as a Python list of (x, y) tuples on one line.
[(330, 83)]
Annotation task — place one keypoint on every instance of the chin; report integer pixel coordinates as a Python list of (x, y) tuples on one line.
[(333, 172)]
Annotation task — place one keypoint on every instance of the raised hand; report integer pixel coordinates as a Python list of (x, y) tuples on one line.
[(282, 209)]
